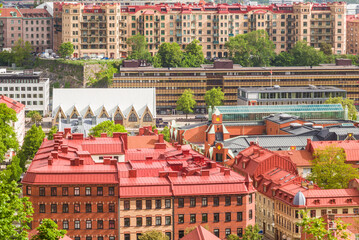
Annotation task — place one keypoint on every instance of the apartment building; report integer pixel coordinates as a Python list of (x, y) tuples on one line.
[(92, 29), (10, 27), (26, 87), (119, 187), (130, 2), (352, 34)]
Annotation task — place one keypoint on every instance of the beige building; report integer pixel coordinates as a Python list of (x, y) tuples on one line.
[(352, 34), (103, 29)]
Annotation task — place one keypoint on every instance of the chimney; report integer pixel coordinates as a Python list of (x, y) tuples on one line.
[(149, 160), (64, 148), (256, 151), (141, 131), (132, 173), (173, 174), (116, 135), (160, 145), (54, 154), (77, 161), (67, 131), (103, 135), (78, 136), (56, 146), (205, 173), (162, 174), (185, 152), (107, 160), (222, 169), (155, 131), (113, 162), (251, 143), (50, 161), (123, 136), (212, 165), (179, 147), (160, 138), (227, 172)]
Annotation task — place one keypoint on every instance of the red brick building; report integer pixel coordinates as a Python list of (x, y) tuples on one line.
[(118, 187)]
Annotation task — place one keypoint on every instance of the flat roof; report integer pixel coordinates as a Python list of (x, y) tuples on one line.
[(291, 89)]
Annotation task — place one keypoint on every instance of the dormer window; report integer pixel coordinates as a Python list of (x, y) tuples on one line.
[(264, 189), (243, 165)]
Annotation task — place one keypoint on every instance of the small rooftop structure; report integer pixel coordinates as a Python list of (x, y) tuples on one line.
[(200, 233), (299, 199)]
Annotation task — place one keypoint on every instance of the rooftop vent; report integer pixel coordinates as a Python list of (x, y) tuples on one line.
[(318, 127), (276, 86), (308, 124), (312, 87), (295, 125), (284, 116)]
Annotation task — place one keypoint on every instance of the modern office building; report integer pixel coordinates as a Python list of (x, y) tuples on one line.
[(171, 82), (277, 95), (352, 34), (26, 87), (119, 187), (82, 109), (103, 29)]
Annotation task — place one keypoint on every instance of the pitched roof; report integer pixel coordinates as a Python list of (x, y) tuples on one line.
[(7, 12), (200, 233), (10, 103), (34, 12), (301, 158)]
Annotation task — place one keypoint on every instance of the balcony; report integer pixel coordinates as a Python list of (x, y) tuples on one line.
[(231, 27), (178, 27), (215, 20), (215, 27), (215, 35), (231, 35), (178, 35), (215, 42), (178, 20)]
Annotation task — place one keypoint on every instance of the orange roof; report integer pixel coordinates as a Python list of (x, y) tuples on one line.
[(10, 103), (6, 12), (301, 158), (200, 233), (27, 12)]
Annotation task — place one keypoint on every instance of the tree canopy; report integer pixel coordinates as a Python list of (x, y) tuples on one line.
[(193, 55), (13, 171), (35, 116), (139, 48), (186, 102), (305, 55), (168, 55), (166, 134), (13, 209), (48, 230), (108, 127), (66, 49), (317, 229), (330, 170), (214, 97), (352, 111), (50, 135), (153, 235), (252, 233), (253, 49), (32, 142), (103, 78), (21, 52), (326, 48), (8, 138)]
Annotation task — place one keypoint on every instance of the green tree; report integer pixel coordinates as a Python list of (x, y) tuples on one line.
[(193, 55), (15, 211), (51, 133), (252, 49), (21, 52), (214, 97), (305, 55), (283, 59), (139, 49), (186, 102), (346, 103), (232, 237), (252, 233), (66, 49), (48, 230), (190, 229), (330, 170), (13, 171), (31, 145), (317, 229), (326, 48), (108, 127), (103, 78), (8, 138), (153, 235), (166, 134), (168, 55), (35, 116)]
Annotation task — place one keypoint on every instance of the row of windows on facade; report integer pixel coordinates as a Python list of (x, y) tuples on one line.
[(216, 232), (216, 217), (29, 103), (22, 88), (89, 225), (93, 238), (139, 221), (25, 95), (77, 208), (127, 236), (118, 117), (76, 191), (32, 42), (29, 22)]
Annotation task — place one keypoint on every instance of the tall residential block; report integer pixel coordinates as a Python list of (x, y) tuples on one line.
[(352, 34)]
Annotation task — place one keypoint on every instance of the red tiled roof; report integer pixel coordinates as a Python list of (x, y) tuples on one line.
[(6, 12), (351, 148), (34, 12), (301, 158), (10, 103), (200, 233)]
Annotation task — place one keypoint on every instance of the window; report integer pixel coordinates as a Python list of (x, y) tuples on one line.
[(99, 224), (65, 191), (216, 232), (204, 202), (193, 218), (111, 191), (313, 213), (42, 208), (53, 208), (76, 208), (127, 222), (323, 212), (239, 216), (138, 221), (216, 217), (168, 203), (168, 220), (138, 204), (88, 207), (111, 207), (99, 191), (77, 191), (101, 238), (65, 208), (228, 216), (28, 190), (127, 237), (112, 224), (250, 198), (126, 204), (148, 204), (132, 118), (88, 224), (158, 221), (240, 232), (180, 234), (192, 202), (77, 224), (228, 200), (216, 201), (99, 207), (65, 224), (250, 215), (345, 211), (148, 221), (147, 118), (88, 191), (180, 218), (204, 217), (42, 191), (228, 232), (180, 202), (158, 203)]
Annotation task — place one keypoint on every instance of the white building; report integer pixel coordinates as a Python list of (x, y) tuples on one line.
[(19, 125), (26, 87)]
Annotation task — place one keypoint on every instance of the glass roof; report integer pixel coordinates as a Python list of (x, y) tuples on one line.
[(280, 108)]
